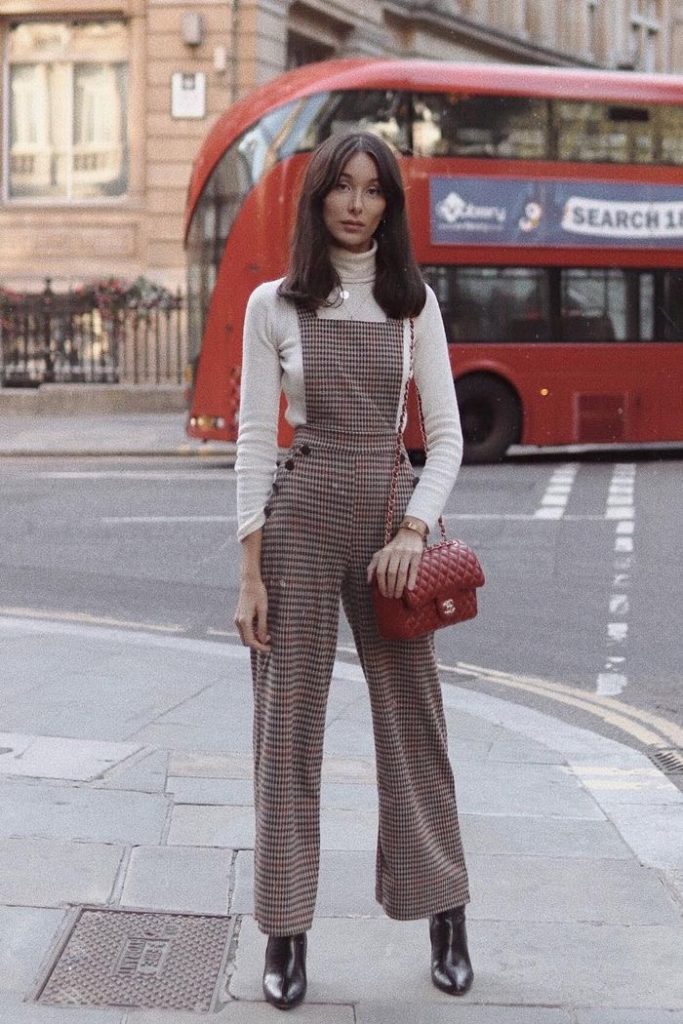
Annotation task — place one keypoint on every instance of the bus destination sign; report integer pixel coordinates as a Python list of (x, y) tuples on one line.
[(495, 211)]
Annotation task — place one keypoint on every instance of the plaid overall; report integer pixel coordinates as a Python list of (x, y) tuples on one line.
[(324, 521)]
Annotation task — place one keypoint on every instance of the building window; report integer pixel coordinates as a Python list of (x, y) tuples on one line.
[(645, 29), (68, 124), (302, 50)]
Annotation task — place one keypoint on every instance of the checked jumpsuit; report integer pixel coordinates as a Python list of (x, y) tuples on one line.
[(324, 521)]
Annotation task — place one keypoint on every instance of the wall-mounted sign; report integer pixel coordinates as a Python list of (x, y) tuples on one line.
[(495, 211), (188, 94)]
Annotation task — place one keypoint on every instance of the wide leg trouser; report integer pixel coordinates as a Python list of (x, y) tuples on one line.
[(326, 520)]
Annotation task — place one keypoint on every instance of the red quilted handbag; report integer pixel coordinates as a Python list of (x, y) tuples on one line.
[(445, 593), (446, 588)]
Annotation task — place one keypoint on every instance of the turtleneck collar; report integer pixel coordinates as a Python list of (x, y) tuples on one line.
[(356, 267)]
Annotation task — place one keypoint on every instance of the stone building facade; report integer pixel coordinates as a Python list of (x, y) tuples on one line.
[(105, 102)]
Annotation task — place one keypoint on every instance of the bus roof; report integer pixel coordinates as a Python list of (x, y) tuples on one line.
[(424, 76)]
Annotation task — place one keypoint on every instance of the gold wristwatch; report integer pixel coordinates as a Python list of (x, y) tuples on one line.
[(412, 524)]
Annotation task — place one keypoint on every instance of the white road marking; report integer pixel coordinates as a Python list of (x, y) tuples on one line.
[(556, 495), (83, 618), (167, 519), (619, 508), (522, 517), (137, 474)]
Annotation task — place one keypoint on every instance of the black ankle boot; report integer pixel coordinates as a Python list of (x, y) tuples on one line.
[(451, 967), (284, 974)]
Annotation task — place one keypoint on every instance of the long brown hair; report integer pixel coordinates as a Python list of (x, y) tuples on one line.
[(399, 288)]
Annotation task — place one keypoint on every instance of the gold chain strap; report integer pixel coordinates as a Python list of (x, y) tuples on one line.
[(391, 505)]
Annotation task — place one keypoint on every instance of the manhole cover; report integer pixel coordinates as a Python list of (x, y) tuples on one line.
[(122, 958), (670, 760)]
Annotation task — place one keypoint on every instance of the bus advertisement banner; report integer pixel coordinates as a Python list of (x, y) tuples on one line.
[(490, 211)]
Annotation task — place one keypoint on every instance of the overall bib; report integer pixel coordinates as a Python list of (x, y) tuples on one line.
[(324, 521)]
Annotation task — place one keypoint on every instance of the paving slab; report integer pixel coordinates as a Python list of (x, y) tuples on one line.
[(655, 833), (178, 879), (629, 785), (193, 764), (190, 736), (199, 764), (231, 827), (544, 963), (674, 880), (513, 888), (605, 1015), (26, 937), (146, 773), (530, 790), (542, 837), (210, 791), (13, 1010), (61, 812), (512, 748), (503, 888), (415, 1013), (51, 872), (58, 757), (240, 1012), (346, 886)]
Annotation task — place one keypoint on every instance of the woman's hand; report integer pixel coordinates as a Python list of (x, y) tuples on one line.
[(251, 616), (396, 564)]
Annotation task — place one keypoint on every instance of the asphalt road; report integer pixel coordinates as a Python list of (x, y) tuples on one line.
[(582, 556)]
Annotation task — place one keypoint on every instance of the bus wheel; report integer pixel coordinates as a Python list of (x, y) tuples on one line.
[(491, 417)]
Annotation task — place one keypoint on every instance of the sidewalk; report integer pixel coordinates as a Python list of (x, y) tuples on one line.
[(125, 783), (148, 433)]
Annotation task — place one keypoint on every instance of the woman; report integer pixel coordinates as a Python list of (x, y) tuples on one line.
[(335, 336)]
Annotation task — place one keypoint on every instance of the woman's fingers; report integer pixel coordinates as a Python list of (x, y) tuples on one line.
[(395, 568), (262, 636), (414, 567), (372, 568), (251, 623)]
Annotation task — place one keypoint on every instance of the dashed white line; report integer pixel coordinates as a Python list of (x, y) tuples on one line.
[(556, 495), (619, 507)]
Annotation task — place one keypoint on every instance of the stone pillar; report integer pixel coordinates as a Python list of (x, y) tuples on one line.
[(512, 18), (574, 30), (261, 41), (675, 56), (542, 21)]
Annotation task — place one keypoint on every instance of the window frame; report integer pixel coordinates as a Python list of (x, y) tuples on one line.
[(65, 201), (555, 284)]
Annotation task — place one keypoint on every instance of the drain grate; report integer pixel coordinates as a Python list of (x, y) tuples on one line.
[(124, 958), (668, 759)]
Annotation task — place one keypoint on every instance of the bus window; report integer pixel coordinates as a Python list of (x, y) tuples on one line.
[(606, 133), (382, 111), (512, 127), (670, 121), (493, 304), (670, 309), (603, 305), (242, 165)]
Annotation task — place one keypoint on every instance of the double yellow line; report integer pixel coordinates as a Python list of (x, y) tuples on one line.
[(649, 729)]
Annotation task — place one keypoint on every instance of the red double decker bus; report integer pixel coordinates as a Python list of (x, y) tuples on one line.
[(546, 209)]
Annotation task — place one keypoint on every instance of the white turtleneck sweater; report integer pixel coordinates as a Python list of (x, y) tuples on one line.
[(272, 362)]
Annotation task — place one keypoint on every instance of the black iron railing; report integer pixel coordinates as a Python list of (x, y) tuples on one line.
[(106, 333)]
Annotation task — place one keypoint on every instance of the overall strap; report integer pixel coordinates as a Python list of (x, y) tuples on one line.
[(391, 504)]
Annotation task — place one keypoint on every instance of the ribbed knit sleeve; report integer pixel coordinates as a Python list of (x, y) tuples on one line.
[(259, 409), (434, 379)]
